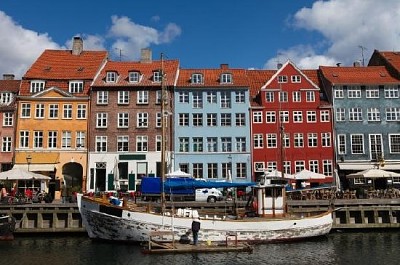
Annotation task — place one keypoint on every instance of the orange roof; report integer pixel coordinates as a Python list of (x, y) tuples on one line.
[(211, 77), (145, 69), (258, 78), (9, 85), (391, 57), (62, 65), (357, 75)]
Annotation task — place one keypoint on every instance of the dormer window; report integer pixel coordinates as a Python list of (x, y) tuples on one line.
[(157, 76), (75, 86), (6, 97), (197, 79), (37, 86), (226, 78), (111, 77), (134, 77)]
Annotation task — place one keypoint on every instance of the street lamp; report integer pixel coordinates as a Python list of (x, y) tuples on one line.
[(28, 160)]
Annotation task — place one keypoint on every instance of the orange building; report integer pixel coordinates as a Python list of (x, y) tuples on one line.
[(53, 113)]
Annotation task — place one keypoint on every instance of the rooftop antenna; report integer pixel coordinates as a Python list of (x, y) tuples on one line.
[(362, 53), (120, 53)]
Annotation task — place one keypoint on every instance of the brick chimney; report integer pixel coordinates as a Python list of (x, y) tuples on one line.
[(145, 55), (8, 76), (77, 46), (224, 66)]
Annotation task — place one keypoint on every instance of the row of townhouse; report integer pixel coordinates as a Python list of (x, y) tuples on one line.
[(98, 124)]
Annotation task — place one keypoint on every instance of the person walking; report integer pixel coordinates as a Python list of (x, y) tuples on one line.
[(195, 230)]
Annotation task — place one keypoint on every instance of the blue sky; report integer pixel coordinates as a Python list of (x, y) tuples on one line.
[(202, 34)]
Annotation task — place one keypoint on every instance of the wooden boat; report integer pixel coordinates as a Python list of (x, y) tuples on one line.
[(7, 227), (268, 222)]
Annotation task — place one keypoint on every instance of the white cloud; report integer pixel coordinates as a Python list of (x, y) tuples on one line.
[(345, 26), (90, 43), (132, 37), (19, 47)]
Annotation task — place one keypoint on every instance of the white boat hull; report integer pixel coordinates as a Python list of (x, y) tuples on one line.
[(109, 222)]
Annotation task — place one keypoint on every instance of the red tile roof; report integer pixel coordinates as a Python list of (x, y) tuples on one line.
[(357, 75), (63, 65), (146, 70), (9, 85), (258, 78), (391, 57)]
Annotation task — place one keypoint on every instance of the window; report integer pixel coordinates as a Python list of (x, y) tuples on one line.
[(355, 114), (158, 96), (80, 139), (339, 93), (226, 119), (341, 144), (284, 116), (240, 144), (312, 139), (111, 77), (67, 111), (282, 79), (394, 143), (373, 114), (287, 166), (142, 97), (123, 120), (340, 114), (122, 143), (25, 110), (283, 96), (354, 92), (123, 97), (24, 139), (183, 119), (372, 92), (211, 119), (258, 141), (102, 97), (226, 144), (142, 120), (197, 119), (299, 166), (38, 139), (197, 170), (327, 167), (226, 78), (134, 77), (212, 170), (81, 111), (53, 111), (297, 116), (101, 120), (197, 100), (212, 144), (8, 119), (240, 97), (298, 140), (183, 97), (197, 144), (37, 86), (6, 144), (75, 87), (241, 170), (375, 141), (392, 114), (296, 79), (158, 120), (101, 143), (240, 119), (286, 140), (311, 116), (6, 97), (211, 97), (66, 139), (225, 99), (141, 143), (296, 96), (157, 76), (226, 170), (269, 96), (313, 166), (184, 144), (272, 140), (326, 139), (357, 143), (52, 139), (391, 92), (270, 117), (310, 96), (257, 117), (324, 116), (158, 143), (197, 79), (259, 166)]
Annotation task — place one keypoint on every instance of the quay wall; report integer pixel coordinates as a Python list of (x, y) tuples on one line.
[(347, 214)]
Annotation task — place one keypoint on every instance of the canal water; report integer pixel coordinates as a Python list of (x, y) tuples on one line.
[(371, 247)]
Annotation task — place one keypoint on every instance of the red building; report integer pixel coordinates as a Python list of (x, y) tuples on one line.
[(291, 126)]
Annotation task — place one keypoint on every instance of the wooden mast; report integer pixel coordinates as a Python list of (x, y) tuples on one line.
[(163, 134)]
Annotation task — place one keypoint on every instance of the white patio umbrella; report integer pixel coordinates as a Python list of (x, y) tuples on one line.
[(21, 174), (277, 173), (373, 173), (307, 174)]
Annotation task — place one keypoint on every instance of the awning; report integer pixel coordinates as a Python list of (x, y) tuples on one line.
[(364, 166), (36, 167)]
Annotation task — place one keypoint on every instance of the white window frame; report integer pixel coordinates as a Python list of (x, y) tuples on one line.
[(295, 78), (6, 144), (53, 111), (25, 110), (142, 97), (75, 86), (142, 143), (101, 120), (123, 120), (142, 120), (8, 119), (36, 86), (81, 112), (102, 97), (67, 111), (101, 144), (134, 77), (111, 77), (196, 78), (123, 97), (226, 78)]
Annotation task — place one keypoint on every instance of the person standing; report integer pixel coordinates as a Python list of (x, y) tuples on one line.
[(195, 230), (64, 193)]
